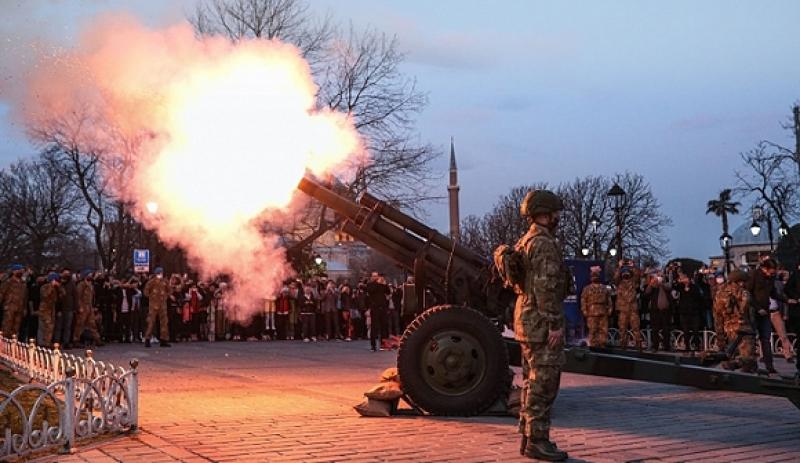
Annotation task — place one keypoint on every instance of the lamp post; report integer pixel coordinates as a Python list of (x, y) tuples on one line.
[(617, 195), (755, 228), (594, 222), (725, 242)]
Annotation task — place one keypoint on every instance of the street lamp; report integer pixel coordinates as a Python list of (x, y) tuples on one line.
[(595, 223), (725, 242), (755, 228), (784, 229), (612, 252), (318, 259), (585, 252), (617, 195)]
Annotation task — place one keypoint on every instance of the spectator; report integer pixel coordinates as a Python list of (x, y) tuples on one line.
[(689, 304), (308, 314), (347, 309), (65, 310), (377, 294), (393, 314), (660, 308), (761, 287), (328, 299), (778, 313)]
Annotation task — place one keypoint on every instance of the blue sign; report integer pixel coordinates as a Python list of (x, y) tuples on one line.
[(141, 260)]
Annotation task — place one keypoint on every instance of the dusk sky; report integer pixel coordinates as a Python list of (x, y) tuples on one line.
[(549, 91)]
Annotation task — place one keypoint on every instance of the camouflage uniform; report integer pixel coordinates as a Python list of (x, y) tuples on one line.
[(628, 308), (85, 319), (157, 291), (14, 298), (735, 302), (596, 307), (50, 294), (538, 311), (720, 311)]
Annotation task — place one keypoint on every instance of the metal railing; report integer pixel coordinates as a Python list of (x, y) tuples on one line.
[(704, 340), (86, 397)]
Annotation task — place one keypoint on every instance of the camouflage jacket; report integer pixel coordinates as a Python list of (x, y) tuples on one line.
[(547, 280), (595, 300), (157, 291), (14, 294), (627, 289), (733, 303), (49, 296), (85, 292)]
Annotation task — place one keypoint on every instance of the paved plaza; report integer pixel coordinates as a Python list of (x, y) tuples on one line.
[(292, 402)]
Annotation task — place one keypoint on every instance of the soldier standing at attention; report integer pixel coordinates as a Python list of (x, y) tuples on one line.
[(736, 302), (539, 321), (627, 280), (596, 307), (14, 299), (157, 292), (85, 319), (50, 293)]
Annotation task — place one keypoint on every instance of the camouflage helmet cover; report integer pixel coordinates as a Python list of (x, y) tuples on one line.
[(737, 275), (540, 202)]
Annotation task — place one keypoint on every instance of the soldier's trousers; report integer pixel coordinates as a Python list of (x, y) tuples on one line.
[(629, 319), (598, 331), (44, 335), (719, 330), (540, 385), (159, 313), (84, 320), (747, 349), (12, 321)]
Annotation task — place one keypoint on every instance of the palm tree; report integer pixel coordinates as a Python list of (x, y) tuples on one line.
[(723, 206)]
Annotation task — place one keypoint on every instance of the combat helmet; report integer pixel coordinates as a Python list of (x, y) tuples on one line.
[(540, 202), (737, 275)]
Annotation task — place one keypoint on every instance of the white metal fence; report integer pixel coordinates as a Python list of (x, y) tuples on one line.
[(84, 398), (704, 340)]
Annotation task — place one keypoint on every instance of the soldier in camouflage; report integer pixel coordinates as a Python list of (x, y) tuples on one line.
[(539, 322), (734, 300), (49, 294), (157, 292), (85, 319), (627, 280), (596, 307), (14, 299), (720, 311)]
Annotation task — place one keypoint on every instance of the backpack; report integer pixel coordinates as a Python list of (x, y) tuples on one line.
[(510, 265)]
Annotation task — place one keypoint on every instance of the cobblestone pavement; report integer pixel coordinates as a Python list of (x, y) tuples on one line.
[(290, 401)]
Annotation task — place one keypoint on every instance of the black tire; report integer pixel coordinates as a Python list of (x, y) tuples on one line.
[(453, 361)]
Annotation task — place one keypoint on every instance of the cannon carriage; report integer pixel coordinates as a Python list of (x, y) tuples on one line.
[(453, 359)]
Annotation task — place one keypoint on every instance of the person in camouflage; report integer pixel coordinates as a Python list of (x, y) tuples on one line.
[(734, 299), (14, 299), (157, 292), (539, 322), (627, 280), (596, 308), (50, 293), (720, 311), (85, 319)]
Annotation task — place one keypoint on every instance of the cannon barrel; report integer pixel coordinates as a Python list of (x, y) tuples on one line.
[(395, 215), (374, 227)]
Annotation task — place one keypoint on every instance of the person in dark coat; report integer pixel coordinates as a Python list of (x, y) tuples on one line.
[(761, 287)]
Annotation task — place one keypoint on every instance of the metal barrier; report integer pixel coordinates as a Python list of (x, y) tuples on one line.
[(705, 340), (91, 398)]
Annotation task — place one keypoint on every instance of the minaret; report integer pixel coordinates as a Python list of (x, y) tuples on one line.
[(452, 190)]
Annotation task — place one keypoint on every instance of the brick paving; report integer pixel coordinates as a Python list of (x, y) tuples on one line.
[(292, 402)]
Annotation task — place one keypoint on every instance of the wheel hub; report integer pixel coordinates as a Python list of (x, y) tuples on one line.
[(453, 362)]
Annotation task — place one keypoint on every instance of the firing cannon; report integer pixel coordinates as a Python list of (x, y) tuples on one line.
[(453, 359)]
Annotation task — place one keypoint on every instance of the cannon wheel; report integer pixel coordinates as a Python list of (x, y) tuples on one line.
[(452, 361)]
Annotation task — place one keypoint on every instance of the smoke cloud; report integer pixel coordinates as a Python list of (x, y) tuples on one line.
[(215, 135)]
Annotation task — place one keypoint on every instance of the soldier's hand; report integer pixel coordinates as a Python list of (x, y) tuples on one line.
[(555, 338)]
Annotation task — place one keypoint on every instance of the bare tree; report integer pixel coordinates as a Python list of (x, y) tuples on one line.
[(39, 205), (643, 222)]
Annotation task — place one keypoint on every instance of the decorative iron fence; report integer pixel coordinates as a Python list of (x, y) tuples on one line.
[(704, 340), (72, 398)]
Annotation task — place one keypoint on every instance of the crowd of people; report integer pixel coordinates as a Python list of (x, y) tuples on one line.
[(758, 301), (92, 308)]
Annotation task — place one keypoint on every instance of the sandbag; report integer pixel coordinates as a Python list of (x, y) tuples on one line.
[(375, 408), (389, 390), (390, 374)]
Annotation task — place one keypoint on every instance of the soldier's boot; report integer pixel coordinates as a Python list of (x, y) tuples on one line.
[(523, 445), (543, 449)]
